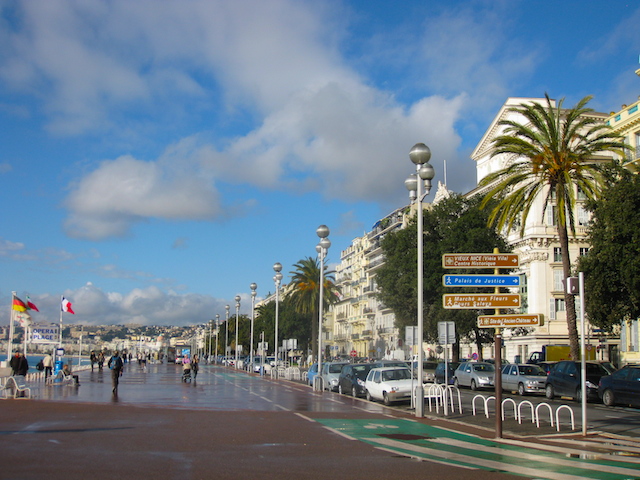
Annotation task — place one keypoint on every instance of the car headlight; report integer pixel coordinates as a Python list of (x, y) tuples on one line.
[(393, 389), (590, 385), (334, 382), (486, 379), (360, 382)]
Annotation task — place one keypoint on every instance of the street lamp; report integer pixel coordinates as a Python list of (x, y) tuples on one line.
[(420, 156), (277, 278), (253, 288), (226, 340), (210, 337), (323, 246), (237, 299), (217, 333)]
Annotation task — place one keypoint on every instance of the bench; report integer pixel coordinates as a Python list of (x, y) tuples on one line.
[(15, 387), (61, 379)]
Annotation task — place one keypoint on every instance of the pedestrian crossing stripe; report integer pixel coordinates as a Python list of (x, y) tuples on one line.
[(431, 443)]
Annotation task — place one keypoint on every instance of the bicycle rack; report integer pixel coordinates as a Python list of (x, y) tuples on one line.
[(450, 389), (486, 403), (562, 407), (544, 404), (515, 411), (533, 414)]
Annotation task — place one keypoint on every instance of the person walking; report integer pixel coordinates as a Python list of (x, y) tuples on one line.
[(100, 360), (19, 364), (93, 358), (115, 364), (47, 363), (195, 365)]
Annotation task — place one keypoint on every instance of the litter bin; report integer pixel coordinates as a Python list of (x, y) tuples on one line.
[(57, 366)]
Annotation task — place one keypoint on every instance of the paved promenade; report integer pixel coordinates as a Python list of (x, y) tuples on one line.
[(232, 425)]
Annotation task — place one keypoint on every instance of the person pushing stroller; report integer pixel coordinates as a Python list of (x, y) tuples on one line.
[(186, 369)]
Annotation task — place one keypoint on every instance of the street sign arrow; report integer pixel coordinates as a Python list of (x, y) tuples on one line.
[(480, 280), (524, 320), (480, 260), (479, 301)]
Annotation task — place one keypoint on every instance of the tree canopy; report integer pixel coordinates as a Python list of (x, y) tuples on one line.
[(612, 264)]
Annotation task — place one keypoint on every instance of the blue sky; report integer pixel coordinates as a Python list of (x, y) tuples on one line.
[(157, 157)]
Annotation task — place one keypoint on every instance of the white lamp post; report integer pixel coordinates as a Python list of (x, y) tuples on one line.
[(253, 288), (226, 339), (420, 156), (323, 232), (277, 278), (237, 299), (217, 333)]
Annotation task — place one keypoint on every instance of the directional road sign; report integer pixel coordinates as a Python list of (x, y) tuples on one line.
[(524, 320), (480, 260), (480, 280), (477, 301)]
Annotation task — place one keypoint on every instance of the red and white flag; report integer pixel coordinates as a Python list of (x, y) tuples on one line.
[(66, 306)]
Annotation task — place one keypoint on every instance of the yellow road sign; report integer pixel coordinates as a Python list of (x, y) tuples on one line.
[(478, 301), (524, 320), (480, 260)]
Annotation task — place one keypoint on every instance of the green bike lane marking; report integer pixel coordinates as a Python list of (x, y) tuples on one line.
[(445, 446)]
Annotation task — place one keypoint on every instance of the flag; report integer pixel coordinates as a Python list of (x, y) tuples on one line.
[(66, 306), (31, 306), (19, 305)]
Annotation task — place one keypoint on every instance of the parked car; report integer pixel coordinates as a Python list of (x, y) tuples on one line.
[(440, 369), (621, 387), (330, 373), (312, 373), (390, 363), (428, 370), (523, 378), (352, 378), (564, 380), (389, 384), (546, 366), (474, 375)]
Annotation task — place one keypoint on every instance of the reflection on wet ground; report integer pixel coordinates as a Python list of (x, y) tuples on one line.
[(216, 388)]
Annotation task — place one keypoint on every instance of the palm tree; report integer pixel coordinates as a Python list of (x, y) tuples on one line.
[(305, 282), (552, 151)]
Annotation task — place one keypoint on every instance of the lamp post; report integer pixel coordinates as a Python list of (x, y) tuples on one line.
[(210, 340), (226, 340), (237, 299), (323, 232), (277, 278), (253, 288), (420, 156), (217, 333)]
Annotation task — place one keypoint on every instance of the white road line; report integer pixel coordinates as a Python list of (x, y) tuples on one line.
[(458, 457)]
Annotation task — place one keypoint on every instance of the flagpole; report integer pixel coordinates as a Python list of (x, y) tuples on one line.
[(11, 332)]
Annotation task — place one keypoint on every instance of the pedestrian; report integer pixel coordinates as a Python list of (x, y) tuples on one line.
[(100, 360), (47, 363), (115, 364), (195, 365), (93, 358), (19, 364)]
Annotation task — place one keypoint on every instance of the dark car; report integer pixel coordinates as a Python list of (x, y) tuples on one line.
[(564, 380), (621, 387), (546, 366), (439, 373), (352, 377)]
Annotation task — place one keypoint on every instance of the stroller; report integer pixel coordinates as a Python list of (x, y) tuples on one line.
[(186, 375)]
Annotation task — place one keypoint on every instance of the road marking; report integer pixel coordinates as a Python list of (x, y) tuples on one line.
[(429, 443)]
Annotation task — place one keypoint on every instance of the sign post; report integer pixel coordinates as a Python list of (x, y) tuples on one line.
[(446, 335)]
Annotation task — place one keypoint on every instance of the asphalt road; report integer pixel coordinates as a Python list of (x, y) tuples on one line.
[(229, 424)]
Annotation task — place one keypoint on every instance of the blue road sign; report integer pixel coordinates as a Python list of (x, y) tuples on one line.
[(481, 280)]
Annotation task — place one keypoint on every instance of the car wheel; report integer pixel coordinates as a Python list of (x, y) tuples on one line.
[(369, 396), (608, 398), (521, 390), (473, 385), (578, 395), (456, 383), (548, 391), (385, 399), (354, 392)]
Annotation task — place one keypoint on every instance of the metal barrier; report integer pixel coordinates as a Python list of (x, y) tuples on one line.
[(515, 410), (544, 404), (486, 403), (435, 393), (318, 384), (533, 414), (562, 407), (292, 373), (450, 389)]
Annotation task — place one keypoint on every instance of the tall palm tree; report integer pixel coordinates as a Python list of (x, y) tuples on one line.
[(305, 282), (553, 151)]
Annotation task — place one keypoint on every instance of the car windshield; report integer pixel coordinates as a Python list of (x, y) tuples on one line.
[(484, 367), (533, 370), (595, 369), (398, 374), (361, 371), (336, 368)]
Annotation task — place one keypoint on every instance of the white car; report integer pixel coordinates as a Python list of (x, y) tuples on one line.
[(389, 384)]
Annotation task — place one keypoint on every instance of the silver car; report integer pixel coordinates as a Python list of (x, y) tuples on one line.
[(523, 378), (474, 375), (331, 374)]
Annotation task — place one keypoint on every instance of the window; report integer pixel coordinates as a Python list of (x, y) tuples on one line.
[(583, 216), (558, 280), (557, 254), (559, 304), (584, 251), (551, 215), (581, 194)]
